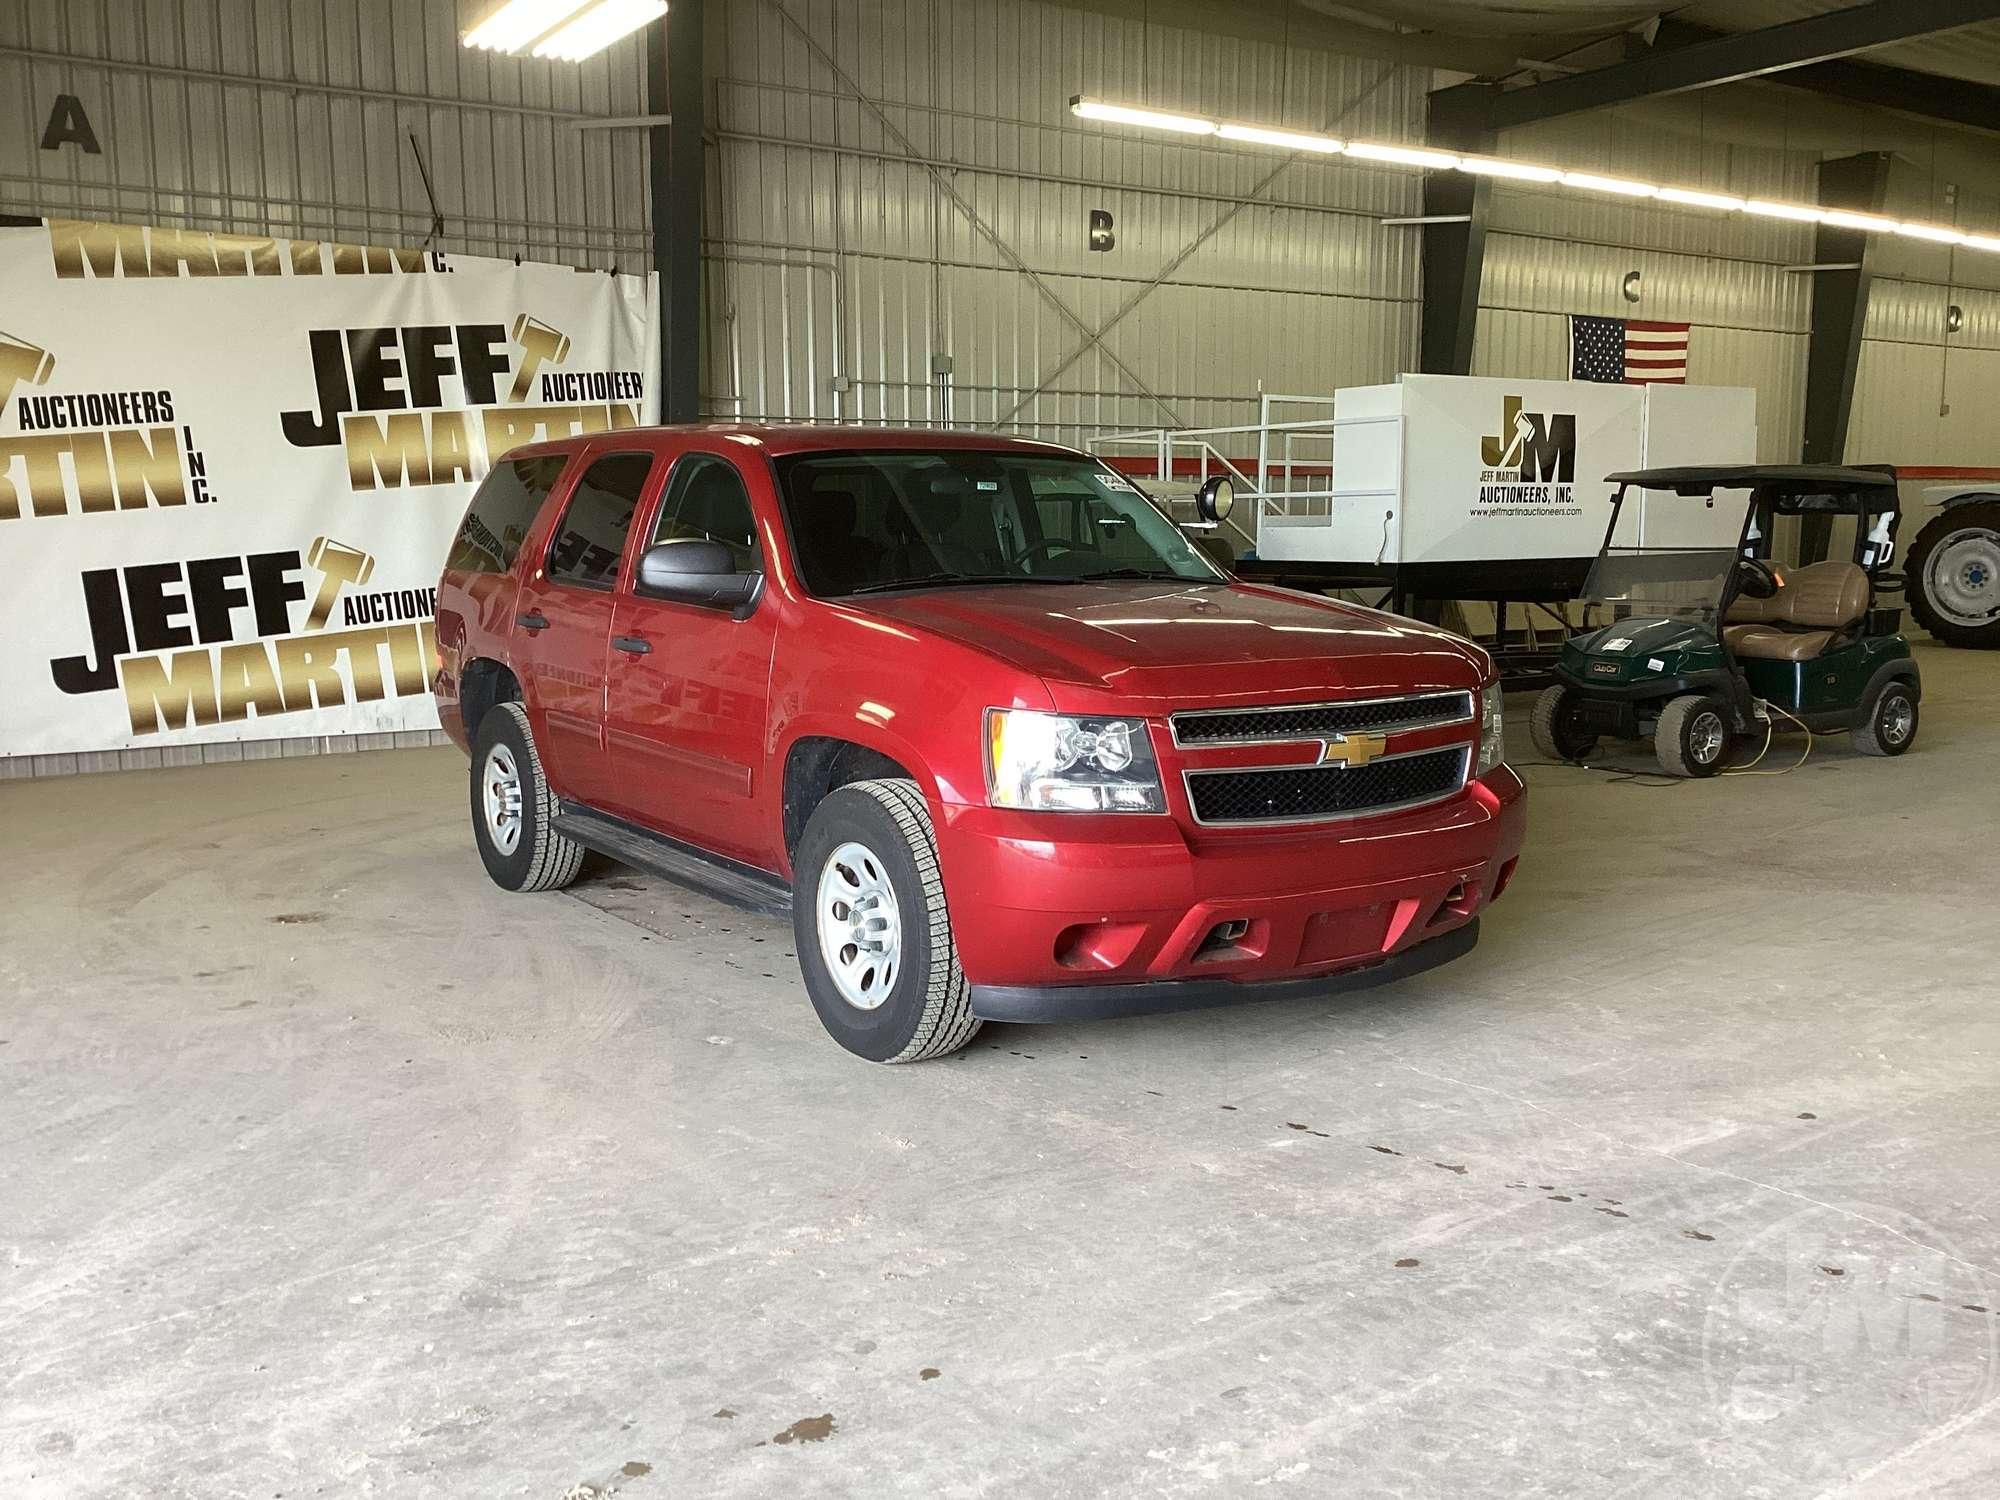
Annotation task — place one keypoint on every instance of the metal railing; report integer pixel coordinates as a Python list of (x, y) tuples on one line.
[(1288, 483)]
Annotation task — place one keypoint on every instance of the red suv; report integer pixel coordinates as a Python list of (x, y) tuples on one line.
[(975, 711)]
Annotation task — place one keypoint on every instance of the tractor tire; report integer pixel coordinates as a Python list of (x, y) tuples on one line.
[(1888, 725), (1692, 736), (1553, 726), (1953, 573)]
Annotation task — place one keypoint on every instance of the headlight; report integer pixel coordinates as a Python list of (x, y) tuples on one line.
[(1492, 723), (1052, 763)]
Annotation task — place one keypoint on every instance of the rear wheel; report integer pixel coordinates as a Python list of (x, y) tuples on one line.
[(1954, 575), (1889, 724), (513, 810), (874, 937), (1692, 736), (1556, 726)]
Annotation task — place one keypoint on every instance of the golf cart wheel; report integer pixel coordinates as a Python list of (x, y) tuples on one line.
[(1556, 726), (1954, 575), (1889, 725), (874, 937), (1692, 736)]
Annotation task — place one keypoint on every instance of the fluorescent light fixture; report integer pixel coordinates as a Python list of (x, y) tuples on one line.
[(1122, 114), (518, 22), (1798, 211), (1521, 171), (1695, 198), (1403, 156), (1625, 188), (597, 28), (519, 19), (1291, 140), (1943, 234)]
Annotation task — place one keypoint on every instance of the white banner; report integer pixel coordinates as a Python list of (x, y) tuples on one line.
[(230, 468)]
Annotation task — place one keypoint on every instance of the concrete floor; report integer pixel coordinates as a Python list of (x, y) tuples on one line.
[(330, 1169)]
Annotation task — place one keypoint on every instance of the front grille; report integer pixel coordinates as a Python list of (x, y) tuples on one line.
[(1301, 793), (1317, 720)]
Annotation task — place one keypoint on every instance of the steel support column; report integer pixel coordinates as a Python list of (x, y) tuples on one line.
[(674, 87), (1454, 254), (1839, 319)]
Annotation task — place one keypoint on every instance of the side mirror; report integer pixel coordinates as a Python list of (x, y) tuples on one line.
[(693, 571), (1215, 499)]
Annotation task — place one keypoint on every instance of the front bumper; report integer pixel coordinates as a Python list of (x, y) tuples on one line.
[(1044, 902), (1104, 1002)]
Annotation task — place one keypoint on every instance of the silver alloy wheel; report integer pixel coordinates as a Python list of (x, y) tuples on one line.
[(500, 782), (1962, 577), (1705, 737), (1899, 718), (860, 926)]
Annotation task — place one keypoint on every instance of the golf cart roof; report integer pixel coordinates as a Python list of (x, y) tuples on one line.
[(1699, 479)]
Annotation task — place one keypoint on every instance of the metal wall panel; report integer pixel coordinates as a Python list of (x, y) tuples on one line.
[(1553, 252), (261, 116), (915, 163)]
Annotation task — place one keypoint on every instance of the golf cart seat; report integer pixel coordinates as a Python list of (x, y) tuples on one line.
[(1803, 618)]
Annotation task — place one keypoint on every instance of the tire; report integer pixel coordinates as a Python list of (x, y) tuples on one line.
[(1692, 736), (874, 838), (1553, 726), (1889, 724), (538, 858), (1953, 573)]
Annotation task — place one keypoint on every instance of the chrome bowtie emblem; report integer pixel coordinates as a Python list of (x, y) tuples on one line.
[(1352, 749)]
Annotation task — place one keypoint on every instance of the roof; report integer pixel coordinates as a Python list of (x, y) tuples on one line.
[(1748, 476), (779, 440)]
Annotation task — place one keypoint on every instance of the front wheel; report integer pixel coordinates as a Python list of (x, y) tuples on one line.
[(1692, 736), (873, 935), (1889, 724), (1556, 726)]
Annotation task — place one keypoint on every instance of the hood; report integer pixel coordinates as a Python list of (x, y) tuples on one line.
[(1644, 637), (1188, 643)]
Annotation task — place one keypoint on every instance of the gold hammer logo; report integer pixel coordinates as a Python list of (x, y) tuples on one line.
[(21, 360), (338, 566), (1352, 750), (538, 342)]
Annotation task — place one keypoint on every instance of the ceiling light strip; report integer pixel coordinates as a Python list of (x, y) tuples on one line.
[(1493, 166)]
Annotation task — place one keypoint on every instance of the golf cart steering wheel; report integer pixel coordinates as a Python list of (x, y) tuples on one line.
[(1054, 546), (1757, 579)]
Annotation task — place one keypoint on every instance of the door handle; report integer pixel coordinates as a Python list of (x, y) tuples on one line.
[(534, 619), (637, 645)]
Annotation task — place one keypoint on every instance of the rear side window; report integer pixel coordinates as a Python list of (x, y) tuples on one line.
[(597, 519), (501, 513), (706, 501)]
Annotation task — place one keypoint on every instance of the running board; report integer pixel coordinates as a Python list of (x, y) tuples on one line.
[(726, 880)]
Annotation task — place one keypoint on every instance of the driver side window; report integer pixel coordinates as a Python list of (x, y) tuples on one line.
[(706, 501)]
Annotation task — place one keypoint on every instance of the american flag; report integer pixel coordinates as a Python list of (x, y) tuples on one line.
[(1628, 349)]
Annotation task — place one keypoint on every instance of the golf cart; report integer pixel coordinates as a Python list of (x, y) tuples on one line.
[(1704, 646)]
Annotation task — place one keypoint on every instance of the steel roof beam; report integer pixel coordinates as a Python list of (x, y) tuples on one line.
[(1733, 57)]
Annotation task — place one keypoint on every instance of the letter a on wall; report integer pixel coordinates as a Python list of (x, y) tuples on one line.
[(70, 126)]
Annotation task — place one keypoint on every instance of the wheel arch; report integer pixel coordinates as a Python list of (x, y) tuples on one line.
[(815, 764), (484, 682)]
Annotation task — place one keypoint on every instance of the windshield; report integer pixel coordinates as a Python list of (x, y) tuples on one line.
[(1675, 582), (874, 522)]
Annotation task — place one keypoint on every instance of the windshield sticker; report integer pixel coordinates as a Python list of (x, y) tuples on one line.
[(1116, 482)]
